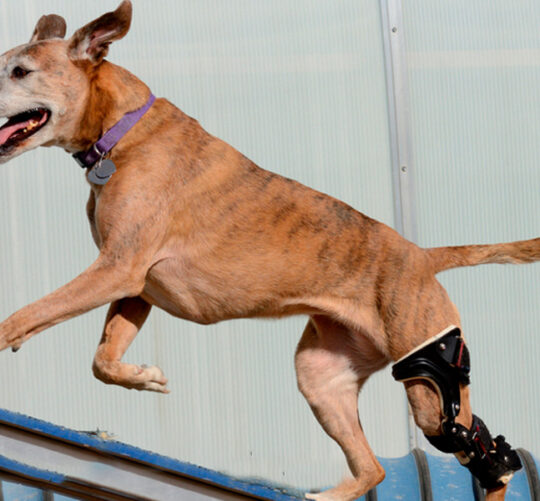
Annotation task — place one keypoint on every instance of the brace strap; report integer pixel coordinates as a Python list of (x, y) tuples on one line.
[(442, 360), (491, 460)]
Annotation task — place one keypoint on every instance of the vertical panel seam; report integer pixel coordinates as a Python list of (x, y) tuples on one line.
[(397, 90), (397, 87)]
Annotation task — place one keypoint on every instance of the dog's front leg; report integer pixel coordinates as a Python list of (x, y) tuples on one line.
[(124, 320), (103, 282)]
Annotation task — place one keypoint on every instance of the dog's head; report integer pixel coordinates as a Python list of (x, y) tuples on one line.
[(44, 83)]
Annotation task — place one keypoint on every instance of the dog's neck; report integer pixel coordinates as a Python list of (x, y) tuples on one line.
[(112, 92)]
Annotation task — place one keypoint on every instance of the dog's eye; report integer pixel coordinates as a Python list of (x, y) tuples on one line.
[(19, 72)]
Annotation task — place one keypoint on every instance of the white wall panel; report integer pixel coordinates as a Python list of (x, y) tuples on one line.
[(298, 87), (474, 73)]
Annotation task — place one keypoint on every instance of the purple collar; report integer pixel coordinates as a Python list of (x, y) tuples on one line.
[(87, 159)]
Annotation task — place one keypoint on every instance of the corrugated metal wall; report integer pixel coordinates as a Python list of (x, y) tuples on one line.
[(474, 75), (299, 87)]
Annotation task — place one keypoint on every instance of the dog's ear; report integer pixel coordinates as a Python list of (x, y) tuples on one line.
[(51, 26), (91, 42)]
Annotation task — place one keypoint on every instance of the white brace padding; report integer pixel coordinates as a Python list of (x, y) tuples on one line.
[(429, 341)]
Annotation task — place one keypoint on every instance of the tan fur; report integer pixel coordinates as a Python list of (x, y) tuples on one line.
[(445, 258), (190, 225)]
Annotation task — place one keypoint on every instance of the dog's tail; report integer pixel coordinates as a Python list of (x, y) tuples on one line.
[(445, 258)]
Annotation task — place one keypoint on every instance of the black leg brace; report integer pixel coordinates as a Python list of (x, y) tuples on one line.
[(444, 362)]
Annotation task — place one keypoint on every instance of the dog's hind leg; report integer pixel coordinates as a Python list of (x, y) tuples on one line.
[(435, 371), (426, 409), (124, 319), (330, 379)]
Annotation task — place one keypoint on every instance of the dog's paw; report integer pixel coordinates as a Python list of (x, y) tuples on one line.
[(130, 376), (10, 338), (150, 378), (318, 496), (348, 490)]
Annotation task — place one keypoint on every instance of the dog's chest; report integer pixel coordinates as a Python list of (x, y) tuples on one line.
[(204, 294), (173, 287)]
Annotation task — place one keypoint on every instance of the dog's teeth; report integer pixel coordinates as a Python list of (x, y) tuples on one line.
[(32, 124)]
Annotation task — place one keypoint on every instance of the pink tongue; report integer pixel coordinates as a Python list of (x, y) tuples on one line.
[(6, 132)]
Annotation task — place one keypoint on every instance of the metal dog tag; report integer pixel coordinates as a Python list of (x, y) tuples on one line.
[(101, 172)]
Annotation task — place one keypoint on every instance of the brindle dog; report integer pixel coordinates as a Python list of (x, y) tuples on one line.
[(190, 225)]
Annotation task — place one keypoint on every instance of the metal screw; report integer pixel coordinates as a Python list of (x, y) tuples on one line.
[(403, 168), (394, 29)]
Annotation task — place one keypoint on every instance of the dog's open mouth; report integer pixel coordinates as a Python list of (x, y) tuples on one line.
[(21, 126)]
